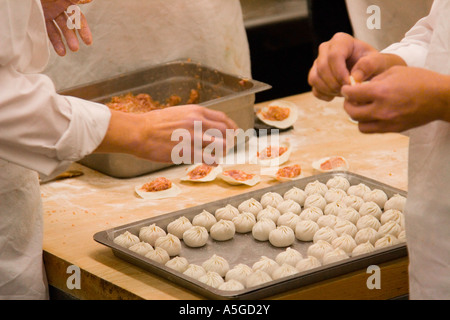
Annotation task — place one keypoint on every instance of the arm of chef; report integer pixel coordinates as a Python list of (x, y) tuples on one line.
[(414, 46), (42, 130)]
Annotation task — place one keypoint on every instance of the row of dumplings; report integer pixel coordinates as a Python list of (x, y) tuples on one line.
[(337, 228)]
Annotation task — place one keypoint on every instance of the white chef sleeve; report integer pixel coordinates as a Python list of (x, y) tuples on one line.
[(413, 48), (42, 130)]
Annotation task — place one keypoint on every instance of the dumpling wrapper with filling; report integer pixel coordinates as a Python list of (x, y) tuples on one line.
[(287, 173), (171, 192), (274, 155), (283, 118), (329, 164), (232, 177), (210, 176)]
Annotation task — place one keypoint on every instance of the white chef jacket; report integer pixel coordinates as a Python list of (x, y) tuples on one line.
[(135, 34), (396, 17), (40, 132), (427, 213)]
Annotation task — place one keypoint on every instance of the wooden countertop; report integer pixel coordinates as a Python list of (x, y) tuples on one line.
[(76, 209)]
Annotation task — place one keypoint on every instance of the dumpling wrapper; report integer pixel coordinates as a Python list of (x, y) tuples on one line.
[(211, 176), (277, 160), (273, 173), (172, 192), (280, 124), (249, 182), (336, 163)]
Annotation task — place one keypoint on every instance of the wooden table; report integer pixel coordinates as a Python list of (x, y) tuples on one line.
[(75, 209)]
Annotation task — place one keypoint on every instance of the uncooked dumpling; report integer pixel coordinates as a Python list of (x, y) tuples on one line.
[(226, 213), (370, 208), (158, 255), (194, 271), (296, 194), (288, 219), (257, 278), (319, 249), (308, 263), (212, 279), (289, 256), (334, 256), (196, 237), (315, 200), (239, 272), (179, 264), (311, 213), (262, 228), (353, 201), (250, 205), (338, 182), (363, 248), (282, 236), (344, 242), (358, 190), (272, 199), (334, 195), (390, 227), (179, 226), (392, 215), (289, 206), (305, 230), (141, 248), (150, 233), (217, 264), (327, 221), (265, 264), (285, 270), (269, 212), (349, 214), (244, 222), (326, 234), (396, 202), (367, 235), (368, 221), (386, 241), (231, 285), (126, 239), (376, 195), (344, 226), (316, 187), (170, 243), (333, 208), (204, 219), (223, 230)]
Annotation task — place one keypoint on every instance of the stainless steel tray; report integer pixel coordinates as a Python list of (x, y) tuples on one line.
[(234, 95), (245, 249)]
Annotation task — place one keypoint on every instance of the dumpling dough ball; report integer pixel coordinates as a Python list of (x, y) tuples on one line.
[(344, 242), (315, 200), (204, 219), (223, 230), (376, 195), (402, 236), (196, 237), (392, 215), (262, 228), (289, 206), (179, 264), (386, 241), (367, 235), (288, 219), (349, 214), (271, 199), (316, 187), (358, 190), (170, 243), (150, 233), (269, 212), (239, 272), (344, 226), (311, 213), (179, 226), (319, 248), (244, 222), (308, 263), (216, 264), (126, 239), (158, 255), (353, 201), (231, 285), (250, 205), (396, 202), (334, 195), (282, 236), (338, 182), (333, 208), (390, 227), (370, 208), (368, 221), (226, 213), (325, 234), (363, 248), (305, 230), (141, 248), (296, 194), (289, 256), (327, 221), (194, 271), (285, 270), (212, 279), (257, 278), (334, 256), (265, 264)]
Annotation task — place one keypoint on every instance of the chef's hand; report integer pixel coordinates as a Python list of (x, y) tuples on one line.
[(56, 20), (149, 135), (399, 99), (342, 53)]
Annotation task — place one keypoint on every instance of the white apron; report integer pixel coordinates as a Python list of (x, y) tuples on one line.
[(427, 213), (133, 34)]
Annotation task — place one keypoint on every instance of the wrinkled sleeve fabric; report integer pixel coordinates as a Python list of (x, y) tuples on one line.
[(413, 48), (39, 129)]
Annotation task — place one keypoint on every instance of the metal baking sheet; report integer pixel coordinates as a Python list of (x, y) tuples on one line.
[(243, 248), (231, 94)]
